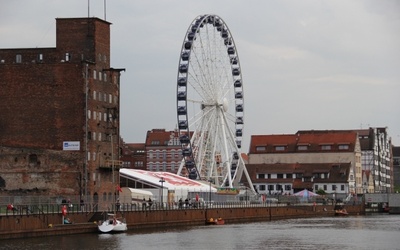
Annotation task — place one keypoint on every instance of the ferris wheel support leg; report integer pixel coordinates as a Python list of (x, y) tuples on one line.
[(247, 176), (228, 165), (181, 167)]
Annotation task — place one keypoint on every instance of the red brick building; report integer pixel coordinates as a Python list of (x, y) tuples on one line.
[(59, 122), (134, 155), (163, 150)]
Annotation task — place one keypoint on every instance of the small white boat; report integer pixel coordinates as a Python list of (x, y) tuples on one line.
[(112, 224)]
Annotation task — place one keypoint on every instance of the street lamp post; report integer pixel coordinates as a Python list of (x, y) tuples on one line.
[(209, 195), (162, 180)]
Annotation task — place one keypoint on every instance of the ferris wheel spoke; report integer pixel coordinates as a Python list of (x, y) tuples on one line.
[(201, 75)]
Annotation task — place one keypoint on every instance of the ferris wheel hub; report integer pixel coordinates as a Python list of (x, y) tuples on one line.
[(225, 104)]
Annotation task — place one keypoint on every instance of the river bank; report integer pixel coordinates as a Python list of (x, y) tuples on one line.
[(41, 224)]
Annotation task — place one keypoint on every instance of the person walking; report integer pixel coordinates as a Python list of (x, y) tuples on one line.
[(144, 204), (180, 203), (82, 205), (118, 205)]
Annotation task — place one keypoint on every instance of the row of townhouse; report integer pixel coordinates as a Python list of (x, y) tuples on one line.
[(336, 161)]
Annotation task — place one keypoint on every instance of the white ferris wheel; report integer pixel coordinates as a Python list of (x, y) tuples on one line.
[(210, 104)]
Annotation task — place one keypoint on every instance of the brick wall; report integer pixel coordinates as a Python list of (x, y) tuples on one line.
[(43, 104), (27, 171)]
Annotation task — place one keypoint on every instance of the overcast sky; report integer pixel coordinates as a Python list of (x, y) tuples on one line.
[(305, 64)]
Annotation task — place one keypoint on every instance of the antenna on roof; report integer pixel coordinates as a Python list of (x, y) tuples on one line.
[(105, 10), (88, 8)]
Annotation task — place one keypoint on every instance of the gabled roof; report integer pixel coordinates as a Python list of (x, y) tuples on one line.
[(135, 145), (161, 136), (313, 139)]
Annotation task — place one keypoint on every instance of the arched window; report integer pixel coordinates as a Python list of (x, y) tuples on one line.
[(104, 196)]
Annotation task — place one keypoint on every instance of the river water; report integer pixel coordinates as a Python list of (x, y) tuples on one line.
[(359, 232)]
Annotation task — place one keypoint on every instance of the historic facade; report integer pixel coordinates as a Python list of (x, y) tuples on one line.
[(376, 157), (59, 123), (134, 156), (335, 148), (287, 179), (163, 150)]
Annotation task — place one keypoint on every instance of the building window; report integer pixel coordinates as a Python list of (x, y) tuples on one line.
[(280, 148), (262, 187), (94, 136), (94, 74), (105, 97), (88, 156), (271, 187), (99, 116), (172, 166), (288, 187), (105, 77), (260, 148), (100, 136), (280, 176), (105, 117), (325, 188), (110, 98), (316, 187), (18, 58), (104, 196), (326, 147), (94, 95), (289, 176), (342, 187), (261, 176), (302, 147), (89, 114), (100, 96), (343, 146), (94, 115), (100, 76), (33, 159), (94, 156)]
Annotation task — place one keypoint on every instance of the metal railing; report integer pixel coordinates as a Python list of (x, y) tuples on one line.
[(50, 205)]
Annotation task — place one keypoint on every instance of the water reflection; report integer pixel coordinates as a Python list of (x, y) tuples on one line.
[(362, 232)]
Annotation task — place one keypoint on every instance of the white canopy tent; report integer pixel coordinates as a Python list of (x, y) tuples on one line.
[(170, 183)]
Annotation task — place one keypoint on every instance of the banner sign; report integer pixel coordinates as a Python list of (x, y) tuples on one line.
[(71, 145), (231, 191)]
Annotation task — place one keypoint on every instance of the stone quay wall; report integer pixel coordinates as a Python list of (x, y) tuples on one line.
[(36, 225)]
